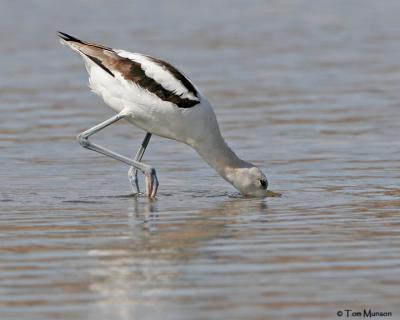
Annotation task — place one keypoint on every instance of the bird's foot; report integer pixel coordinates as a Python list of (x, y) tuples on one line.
[(151, 183), (133, 179)]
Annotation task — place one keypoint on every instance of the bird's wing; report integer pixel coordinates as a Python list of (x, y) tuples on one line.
[(156, 76)]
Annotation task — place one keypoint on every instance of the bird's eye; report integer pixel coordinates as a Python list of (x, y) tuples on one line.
[(263, 183)]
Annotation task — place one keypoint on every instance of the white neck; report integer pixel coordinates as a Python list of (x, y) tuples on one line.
[(215, 151)]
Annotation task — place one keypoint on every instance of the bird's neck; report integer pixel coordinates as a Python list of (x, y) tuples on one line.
[(216, 152)]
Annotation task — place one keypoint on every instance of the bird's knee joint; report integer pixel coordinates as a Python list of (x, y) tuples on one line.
[(125, 113), (83, 140)]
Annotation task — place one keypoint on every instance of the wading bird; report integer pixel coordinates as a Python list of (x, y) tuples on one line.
[(156, 97)]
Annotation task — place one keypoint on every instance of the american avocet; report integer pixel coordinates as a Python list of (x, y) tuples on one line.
[(156, 97)]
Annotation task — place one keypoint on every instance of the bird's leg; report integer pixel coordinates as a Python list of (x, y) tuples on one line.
[(133, 172), (148, 171)]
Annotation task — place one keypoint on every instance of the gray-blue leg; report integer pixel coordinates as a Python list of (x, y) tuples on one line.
[(133, 172), (148, 171)]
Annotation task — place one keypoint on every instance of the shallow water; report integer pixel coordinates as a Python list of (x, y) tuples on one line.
[(308, 90)]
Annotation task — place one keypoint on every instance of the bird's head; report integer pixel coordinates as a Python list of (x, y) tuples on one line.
[(250, 181)]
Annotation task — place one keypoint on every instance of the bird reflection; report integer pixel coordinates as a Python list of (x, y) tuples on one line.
[(161, 249)]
